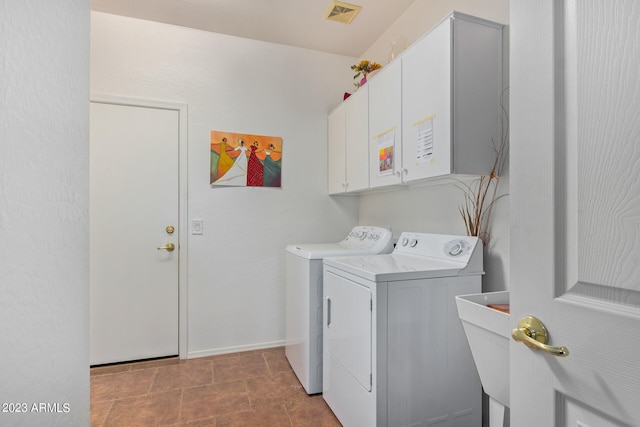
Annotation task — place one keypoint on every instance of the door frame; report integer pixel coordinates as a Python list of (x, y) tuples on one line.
[(182, 110)]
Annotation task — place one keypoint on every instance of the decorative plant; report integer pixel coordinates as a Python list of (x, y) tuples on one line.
[(481, 195), (363, 68)]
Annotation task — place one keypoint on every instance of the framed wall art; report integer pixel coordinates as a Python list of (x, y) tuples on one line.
[(245, 160)]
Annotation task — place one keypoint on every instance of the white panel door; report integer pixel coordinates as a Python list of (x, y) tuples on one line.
[(575, 233), (134, 198)]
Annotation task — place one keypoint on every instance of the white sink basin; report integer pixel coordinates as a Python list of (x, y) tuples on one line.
[(488, 334)]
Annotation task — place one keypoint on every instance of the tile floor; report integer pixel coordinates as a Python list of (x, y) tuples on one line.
[(252, 389)]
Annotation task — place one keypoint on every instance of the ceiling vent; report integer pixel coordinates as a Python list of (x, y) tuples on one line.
[(342, 12)]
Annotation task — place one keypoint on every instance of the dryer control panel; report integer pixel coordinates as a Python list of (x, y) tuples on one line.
[(441, 246)]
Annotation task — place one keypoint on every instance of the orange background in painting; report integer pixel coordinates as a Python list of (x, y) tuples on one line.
[(263, 143)]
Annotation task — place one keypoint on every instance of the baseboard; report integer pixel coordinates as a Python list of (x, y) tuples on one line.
[(236, 349)]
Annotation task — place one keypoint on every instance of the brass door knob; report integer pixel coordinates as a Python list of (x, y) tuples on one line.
[(532, 333), (168, 247)]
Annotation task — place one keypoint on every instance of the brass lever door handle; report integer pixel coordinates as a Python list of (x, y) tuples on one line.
[(168, 247), (532, 333)]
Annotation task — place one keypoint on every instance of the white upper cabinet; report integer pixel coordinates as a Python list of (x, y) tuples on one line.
[(433, 112), (385, 126), (451, 87), (348, 132)]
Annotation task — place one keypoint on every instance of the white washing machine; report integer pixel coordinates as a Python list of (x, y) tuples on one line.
[(395, 353), (303, 319)]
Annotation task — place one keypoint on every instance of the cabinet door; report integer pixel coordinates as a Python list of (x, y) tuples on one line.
[(356, 140), (385, 126), (336, 150), (426, 105)]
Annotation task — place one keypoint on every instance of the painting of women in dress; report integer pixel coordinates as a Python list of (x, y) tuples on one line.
[(244, 160)]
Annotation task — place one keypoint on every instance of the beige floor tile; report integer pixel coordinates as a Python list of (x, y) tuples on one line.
[(265, 417), (239, 368), (313, 412), (209, 422), (254, 388), (120, 385), (277, 362), (185, 375), (149, 410), (277, 389), (246, 358), (213, 400), (99, 411)]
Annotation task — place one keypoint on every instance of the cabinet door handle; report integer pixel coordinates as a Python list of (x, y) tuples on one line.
[(328, 312)]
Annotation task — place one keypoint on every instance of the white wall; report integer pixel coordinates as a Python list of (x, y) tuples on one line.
[(435, 209), (44, 201), (236, 269)]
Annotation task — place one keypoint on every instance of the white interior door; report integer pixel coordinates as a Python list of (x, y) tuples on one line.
[(134, 198), (575, 176)]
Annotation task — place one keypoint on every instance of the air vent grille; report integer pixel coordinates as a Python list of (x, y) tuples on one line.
[(342, 12)]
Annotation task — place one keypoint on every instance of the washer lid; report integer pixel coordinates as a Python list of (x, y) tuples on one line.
[(391, 267), (321, 250), (361, 240)]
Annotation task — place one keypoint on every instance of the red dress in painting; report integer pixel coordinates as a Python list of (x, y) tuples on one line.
[(255, 169)]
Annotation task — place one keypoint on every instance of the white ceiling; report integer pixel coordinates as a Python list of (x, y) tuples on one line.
[(292, 22)]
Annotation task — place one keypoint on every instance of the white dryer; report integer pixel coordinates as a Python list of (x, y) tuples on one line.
[(395, 353), (303, 283)]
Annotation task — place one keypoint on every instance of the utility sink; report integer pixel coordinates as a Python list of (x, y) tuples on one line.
[(485, 318)]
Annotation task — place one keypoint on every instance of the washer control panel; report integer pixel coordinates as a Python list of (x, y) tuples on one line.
[(363, 236)]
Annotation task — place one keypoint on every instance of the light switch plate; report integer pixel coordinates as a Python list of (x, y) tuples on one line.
[(196, 226)]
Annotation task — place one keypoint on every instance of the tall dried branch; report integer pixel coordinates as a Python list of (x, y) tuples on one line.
[(481, 195)]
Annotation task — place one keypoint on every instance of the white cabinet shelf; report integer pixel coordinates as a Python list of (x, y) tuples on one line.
[(433, 112)]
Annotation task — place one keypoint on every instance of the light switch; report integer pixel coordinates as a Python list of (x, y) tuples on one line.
[(196, 226)]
